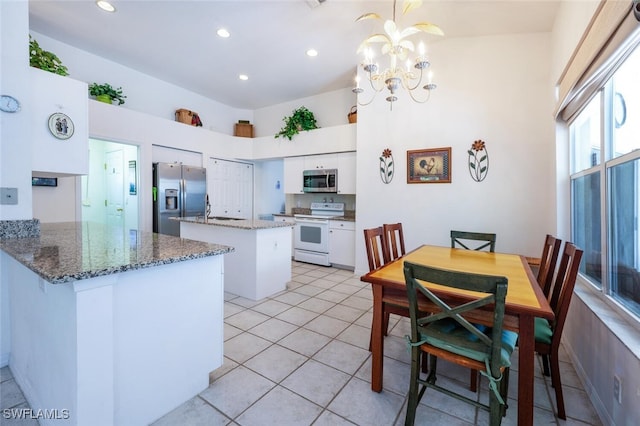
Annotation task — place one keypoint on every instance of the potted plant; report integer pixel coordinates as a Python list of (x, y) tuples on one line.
[(106, 93), (47, 61), (300, 119)]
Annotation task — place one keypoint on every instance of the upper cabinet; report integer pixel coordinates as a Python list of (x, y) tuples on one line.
[(347, 172), (321, 161), (293, 168), (59, 124)]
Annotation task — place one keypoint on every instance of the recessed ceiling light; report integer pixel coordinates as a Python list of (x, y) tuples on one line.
[(312, 52), (105, 5), (243, 77), (223, 33)]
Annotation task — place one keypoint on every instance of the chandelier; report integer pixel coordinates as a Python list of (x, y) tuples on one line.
[(402, 71)]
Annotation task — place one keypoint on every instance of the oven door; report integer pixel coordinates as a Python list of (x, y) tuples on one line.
[(312, 235)]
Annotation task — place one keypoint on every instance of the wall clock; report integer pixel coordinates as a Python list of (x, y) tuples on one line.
[(9, 104), (60, 125)]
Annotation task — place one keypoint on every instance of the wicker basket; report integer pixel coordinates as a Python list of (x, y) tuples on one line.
[(188, 117), (184, 116), (353, 115)]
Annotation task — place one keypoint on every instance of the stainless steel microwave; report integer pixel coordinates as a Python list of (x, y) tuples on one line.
[(320, 180)]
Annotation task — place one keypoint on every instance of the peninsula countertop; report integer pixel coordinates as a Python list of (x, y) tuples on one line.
[(236, 223), (71, 251)]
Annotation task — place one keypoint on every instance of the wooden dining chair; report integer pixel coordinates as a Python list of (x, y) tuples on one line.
[(547, 333), (446, 334), (376, 246), (394, 238), (378, 255), (482, 240), (546, 264)]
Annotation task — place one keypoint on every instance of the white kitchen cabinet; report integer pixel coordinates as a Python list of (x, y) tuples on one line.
[(342, 243), (293, 168), (321, 161), (68, 152), (230, 188), (347, 172), (292, 221)]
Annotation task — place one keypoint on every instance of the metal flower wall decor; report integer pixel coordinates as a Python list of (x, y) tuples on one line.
[(386, 166), (478, 161)]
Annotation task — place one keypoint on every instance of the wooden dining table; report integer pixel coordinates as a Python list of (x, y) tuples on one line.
[(525, 301)]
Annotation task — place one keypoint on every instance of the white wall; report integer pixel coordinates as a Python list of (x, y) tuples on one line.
[(144, 93), (15, 131), (490, 88), (329, 109), (268, 189), (56, 204), (15, 138)]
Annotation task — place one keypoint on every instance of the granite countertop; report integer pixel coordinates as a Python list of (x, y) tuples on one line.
[(71, 251), (236, 223), (345, 218)]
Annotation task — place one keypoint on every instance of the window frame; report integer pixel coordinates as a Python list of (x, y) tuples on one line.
[(606, 163)]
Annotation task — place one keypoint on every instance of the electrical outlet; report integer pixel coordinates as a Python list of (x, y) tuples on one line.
[(617, 389)]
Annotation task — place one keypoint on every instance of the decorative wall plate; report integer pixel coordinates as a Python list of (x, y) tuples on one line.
[(60, 125)]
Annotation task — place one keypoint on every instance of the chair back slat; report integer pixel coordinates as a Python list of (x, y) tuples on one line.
[(563, 287), (548, 260), (394, 238), (377, 253), (495, 287), (462, 238)]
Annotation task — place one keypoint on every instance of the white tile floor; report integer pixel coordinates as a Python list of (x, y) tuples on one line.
[(301, 358)]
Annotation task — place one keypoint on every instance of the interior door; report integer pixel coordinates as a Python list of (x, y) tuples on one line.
[(115, 188)]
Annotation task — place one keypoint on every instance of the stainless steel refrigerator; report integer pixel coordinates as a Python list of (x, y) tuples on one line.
[(178, 191)]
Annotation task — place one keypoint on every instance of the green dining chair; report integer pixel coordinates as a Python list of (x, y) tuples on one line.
[(446, 334), (481, 240), (548, 334)]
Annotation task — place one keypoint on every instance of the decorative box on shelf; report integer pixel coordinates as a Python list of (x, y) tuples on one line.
[(188, 117), (244, 129)]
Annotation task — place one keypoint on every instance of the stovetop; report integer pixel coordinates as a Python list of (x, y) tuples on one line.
[(324, 211)]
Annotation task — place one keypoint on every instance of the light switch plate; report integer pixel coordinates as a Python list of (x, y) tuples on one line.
[(8, 195)]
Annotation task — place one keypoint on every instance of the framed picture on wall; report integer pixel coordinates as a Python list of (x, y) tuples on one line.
[(429, 165), (44, 181)]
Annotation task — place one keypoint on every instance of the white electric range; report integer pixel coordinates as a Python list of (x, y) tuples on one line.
[(311, 242)]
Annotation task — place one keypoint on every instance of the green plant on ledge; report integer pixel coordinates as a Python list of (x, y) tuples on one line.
[(106, 93), (301, 119), (46, 61)]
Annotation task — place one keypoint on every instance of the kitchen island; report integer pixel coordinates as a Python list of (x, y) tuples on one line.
[(261, 263), (110, 326)]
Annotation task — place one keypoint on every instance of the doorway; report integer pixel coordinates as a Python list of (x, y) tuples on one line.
[(110, 190)]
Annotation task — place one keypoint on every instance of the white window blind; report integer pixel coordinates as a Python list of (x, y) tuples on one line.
[(611, 36)]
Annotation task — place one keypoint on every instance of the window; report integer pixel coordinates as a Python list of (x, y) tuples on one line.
[(605, 186)]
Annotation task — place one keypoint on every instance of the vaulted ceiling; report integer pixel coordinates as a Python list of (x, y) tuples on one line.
[(176, 41)]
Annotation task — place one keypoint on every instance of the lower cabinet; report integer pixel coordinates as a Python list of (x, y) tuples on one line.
[(342, 243), (292, 221)]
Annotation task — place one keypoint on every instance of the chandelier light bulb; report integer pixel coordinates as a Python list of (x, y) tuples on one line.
[(395, 48)]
